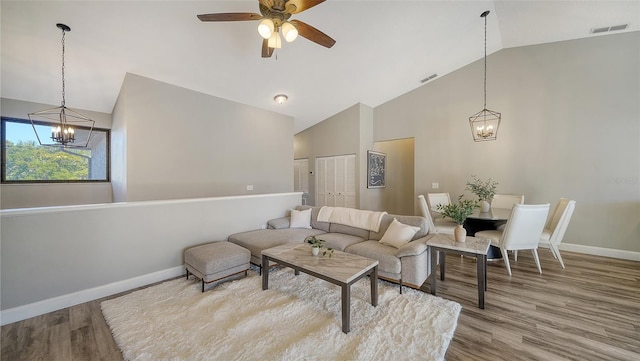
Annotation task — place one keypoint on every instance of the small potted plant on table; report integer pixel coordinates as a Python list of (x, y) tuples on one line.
[(458, 212), (316, 246), (485, 190)]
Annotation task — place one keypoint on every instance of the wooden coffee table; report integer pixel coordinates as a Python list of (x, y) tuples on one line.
[(342, 269), (472, 247)]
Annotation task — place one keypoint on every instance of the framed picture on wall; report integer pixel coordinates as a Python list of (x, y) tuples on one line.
[(376, 167)]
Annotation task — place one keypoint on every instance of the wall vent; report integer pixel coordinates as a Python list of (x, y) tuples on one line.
[(609, 28), (432, 76)]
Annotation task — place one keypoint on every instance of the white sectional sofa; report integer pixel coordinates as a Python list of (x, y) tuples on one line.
[(405, 263)]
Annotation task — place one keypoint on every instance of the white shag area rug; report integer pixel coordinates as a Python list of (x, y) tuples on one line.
[(297, 318)]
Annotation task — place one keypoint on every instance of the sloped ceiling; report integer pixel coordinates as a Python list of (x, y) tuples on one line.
[(383, 48)]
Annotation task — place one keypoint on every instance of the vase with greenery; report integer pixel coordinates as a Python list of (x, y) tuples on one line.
[(458, 212), (485, 190), (317, 246)]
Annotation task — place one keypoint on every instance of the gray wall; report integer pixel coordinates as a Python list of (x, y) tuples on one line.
[(51, 194), (171, 142), (348, 132), (111, 248), (570, 128)]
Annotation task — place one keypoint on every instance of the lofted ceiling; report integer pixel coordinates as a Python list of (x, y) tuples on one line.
[(383, 48)]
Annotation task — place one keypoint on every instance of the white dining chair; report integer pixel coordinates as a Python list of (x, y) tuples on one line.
[(434, 199), (557, 225), (522, 231), (442, 226), (506, 200)]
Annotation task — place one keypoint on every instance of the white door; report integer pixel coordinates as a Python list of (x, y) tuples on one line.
[(301, 175), (336, 181)]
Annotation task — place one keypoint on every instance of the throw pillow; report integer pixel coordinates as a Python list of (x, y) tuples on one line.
[(398, 234), (300, 219)]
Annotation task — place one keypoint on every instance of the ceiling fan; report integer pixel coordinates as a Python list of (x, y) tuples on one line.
[(274, 17)]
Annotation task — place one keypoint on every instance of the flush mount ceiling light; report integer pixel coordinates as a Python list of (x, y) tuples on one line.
[(280, 98), (484, 124), (70, 129)]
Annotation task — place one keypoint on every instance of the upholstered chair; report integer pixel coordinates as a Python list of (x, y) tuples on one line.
[(522, 231), (442, 226), (506, 200), (557, 225)]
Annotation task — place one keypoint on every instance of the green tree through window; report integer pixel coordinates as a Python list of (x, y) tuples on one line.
[(25, 160)]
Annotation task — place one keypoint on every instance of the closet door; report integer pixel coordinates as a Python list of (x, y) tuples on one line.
[(335, 181), (345, 190), (321, 175)]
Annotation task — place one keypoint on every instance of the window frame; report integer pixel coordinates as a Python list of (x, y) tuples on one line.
[(3, 167)]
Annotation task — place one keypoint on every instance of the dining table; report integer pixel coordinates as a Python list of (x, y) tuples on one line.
[(482, 221)]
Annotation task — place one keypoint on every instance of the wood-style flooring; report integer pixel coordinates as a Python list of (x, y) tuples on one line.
[(588, 311)]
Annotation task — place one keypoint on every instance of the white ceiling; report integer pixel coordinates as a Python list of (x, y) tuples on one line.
[(383, 48)]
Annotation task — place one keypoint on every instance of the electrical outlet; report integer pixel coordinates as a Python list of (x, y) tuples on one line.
[(435, 185), (264, 226), (250, 187)]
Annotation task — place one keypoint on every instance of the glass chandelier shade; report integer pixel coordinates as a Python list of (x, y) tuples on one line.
[(485, 123), (266, 28), (275, 41), (289, 31), (69, 128)]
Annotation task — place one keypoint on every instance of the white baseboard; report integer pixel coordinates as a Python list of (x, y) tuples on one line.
[(57, 303), (597, 251)]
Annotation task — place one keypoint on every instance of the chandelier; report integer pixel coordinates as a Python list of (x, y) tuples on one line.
[(484, 124), (70, 129)]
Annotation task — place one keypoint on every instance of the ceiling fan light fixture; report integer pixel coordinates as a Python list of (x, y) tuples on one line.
[(274, 41), (266, 28), (280, 98), (289, 31)]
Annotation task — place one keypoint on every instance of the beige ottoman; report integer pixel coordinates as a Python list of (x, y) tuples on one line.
[(214, 261)]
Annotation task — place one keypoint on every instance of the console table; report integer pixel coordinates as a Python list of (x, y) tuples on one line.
[(473, 247)]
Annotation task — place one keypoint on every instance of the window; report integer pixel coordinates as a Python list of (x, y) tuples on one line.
[(24, 160)]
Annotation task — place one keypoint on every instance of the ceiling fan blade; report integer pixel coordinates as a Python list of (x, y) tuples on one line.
[(229, 17), (302, 5), (266, 50), (313, 34)]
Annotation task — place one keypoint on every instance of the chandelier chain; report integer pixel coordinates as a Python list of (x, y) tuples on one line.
[(485, 62), (63, 89)]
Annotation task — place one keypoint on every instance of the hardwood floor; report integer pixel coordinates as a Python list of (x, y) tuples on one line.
[(589, 311)]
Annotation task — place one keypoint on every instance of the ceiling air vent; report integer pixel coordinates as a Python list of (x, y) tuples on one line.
[(432, 76), (619, 27), (609, 28)]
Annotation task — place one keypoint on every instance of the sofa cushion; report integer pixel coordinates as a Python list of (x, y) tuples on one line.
[(416, 221), (300, 219), (314, 218), (339, 241), (398, 234), (385, 255), (278, 223), (256, 241), (341, 228)]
